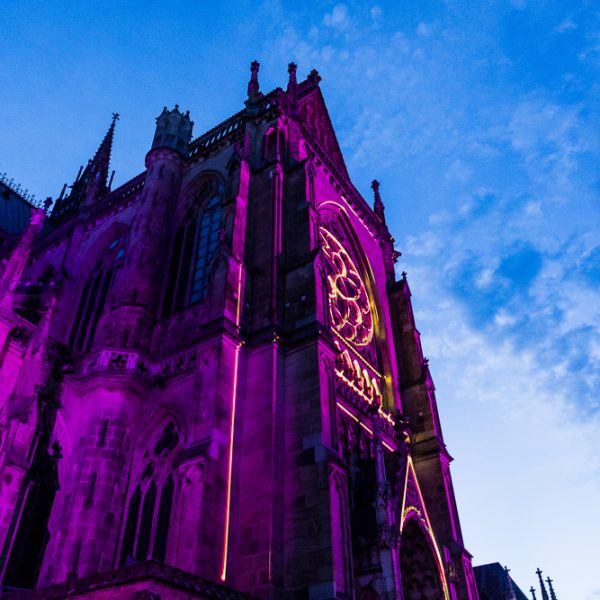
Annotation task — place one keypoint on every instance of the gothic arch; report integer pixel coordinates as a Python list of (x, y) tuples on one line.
[(422, 572), (196, 239), (188, 195), (90, 296), (335, 218), (62, 436), (153, 424), (90, 258), (152, 489)]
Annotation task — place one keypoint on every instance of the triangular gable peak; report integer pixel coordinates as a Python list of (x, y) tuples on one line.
[(319, 131), (413, 508)]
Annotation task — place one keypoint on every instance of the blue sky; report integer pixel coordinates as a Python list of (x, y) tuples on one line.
[(480, 119)]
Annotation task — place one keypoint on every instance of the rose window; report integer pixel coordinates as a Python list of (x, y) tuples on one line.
[(349, 305)]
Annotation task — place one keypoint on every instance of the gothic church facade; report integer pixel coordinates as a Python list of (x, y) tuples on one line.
[(211, 381)]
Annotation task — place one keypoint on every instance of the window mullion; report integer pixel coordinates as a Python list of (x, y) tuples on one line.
[(87, 314)]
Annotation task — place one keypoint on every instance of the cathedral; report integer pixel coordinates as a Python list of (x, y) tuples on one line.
[(211, 380)]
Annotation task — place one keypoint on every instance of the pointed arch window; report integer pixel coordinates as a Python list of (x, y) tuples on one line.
[(146, 530), (194, 248), (95, 292)]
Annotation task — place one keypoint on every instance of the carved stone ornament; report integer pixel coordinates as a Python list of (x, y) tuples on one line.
[(349, 306)]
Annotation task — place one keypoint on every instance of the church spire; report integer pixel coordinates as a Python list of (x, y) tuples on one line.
[(91, 183), (292, 91), (552, 594), (292, 81), (99, 165), (532, 590), (378, 206), (542, 586), (253, 84)]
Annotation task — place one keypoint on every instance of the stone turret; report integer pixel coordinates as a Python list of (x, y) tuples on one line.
[(378, 207), (137, 290), (173, 130), (542, 586)]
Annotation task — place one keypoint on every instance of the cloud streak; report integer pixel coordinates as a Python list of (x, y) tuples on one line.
[(498, 225)]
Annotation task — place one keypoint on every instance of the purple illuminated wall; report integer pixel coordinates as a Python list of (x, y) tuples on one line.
[(214, 366)]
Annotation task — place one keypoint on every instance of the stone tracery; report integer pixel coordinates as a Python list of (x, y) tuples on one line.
[(349, 306)]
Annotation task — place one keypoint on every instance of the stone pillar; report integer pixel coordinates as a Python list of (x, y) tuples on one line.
[(137, 289), (87, 515)]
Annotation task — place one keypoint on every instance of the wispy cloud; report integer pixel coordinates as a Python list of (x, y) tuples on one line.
[(338, 17), (495, 194)]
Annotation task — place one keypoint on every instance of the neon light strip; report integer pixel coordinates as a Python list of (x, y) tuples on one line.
[(359, 217), (364, 360), (380, 410), (231, 432), (410, 468), (239, 300), (369, 430)]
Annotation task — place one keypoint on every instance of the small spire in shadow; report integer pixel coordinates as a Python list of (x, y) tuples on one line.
[(253, 84), (378, 206), (314, 77), (542, 586), (552, 594), (292, 82), (532, 590)]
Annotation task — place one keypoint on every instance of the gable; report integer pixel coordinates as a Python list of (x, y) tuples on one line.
[(319, 131)]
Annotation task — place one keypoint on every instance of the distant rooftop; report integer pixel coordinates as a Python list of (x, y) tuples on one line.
[(15, 208), (492, 583)]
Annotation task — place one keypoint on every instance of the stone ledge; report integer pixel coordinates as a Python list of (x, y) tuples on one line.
[(159, 580)]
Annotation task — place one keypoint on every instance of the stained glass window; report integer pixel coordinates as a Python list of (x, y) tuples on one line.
[(208, 237), (94, 294), (147, 530), (194, 248)]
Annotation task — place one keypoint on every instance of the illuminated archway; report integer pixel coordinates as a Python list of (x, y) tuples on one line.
[(423, 574), (420, 572)]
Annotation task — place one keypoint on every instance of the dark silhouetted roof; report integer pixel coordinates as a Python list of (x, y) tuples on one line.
[(14, 211), (491, 583)]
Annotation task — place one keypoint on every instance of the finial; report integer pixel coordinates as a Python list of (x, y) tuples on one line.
[(115, 117), (253, 84), (292, 79), (552, 594), (542, 586), (47, 203), (404, 275), (314, 77), (378, 206), (532, 590)]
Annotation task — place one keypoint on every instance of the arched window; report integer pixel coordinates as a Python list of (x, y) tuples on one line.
[(147, 527), (95, 292), (194, 248)]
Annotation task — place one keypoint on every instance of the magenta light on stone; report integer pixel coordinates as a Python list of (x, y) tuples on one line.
[(211, 381)]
